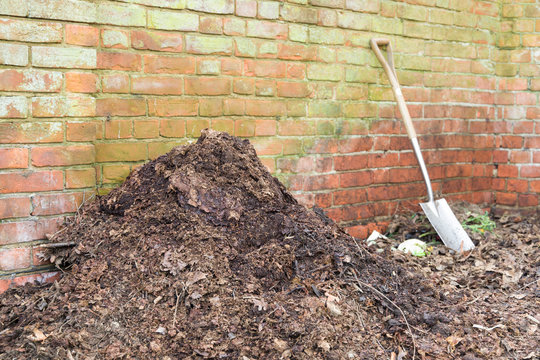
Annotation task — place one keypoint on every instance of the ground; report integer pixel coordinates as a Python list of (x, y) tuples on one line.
[(201, 253)]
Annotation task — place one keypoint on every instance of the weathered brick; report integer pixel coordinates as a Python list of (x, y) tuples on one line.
[(119, 61), (159, 85), (115, 83), (169, 64), (354, 21), (246, 8), (49, 106), (293, 89), (119, 14), (157, 41), (121, 152), (30, 80), (244, 86), (14, 207), (265, 108), (320, 35), (268, 9), (298, 14), (324, 72), (120, 107), (116, 39), (173, 107), (207, 86), (54, 204), (15, 258), (31, 132), (265, 88), (245, 47), (24, 231), (83, 35), (266, 29), (81, 11), (14, 8), (146, 128), (31, 181), (13, 107), (168, 20), (80, 178), (234, 26), (115, 173), (80, 131), (211, 25), (172, 127), (13, 54), (118, 129), (208, 45), (63, 155), (81, 82), (30, 31), (195, 126), (13, 158), (45, 56), (216, 6), (208, 67), (298, 33), (265, 68)]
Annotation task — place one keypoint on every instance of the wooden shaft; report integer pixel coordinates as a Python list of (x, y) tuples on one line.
[(390, 70)]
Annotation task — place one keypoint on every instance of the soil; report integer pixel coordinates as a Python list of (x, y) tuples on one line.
[(201, 253)]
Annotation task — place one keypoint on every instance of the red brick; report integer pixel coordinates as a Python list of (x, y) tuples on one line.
[(169, 64), (156, 41), (63, 155), (265, 127), (244, 86), (207, 86), (226, 125), (159, 85), (195, 126), (82, 35), (244, 128), (210, 107), (354, 162), (81, 82), (118, 129), (13, 158), (13, 107), (121, 152), (506, 198), (15, 258), (38, 256), (14, 207), (345, 197), (30, 181), (512, 142), (293, 89), (81, 131), (120, 107), (535, 186), (529, 171), (265, 68), (525, 200), (357, 144), (146, 129), (233, 107), (80, 178), (172, 128), (297, 52), (515, 185), (119, 61), (53, 204), (321, 182), (296, 71), (173, 107), (357, 178), (297, 165), (265, 108)]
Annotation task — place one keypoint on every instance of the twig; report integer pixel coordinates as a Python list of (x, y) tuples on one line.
[(58, 245), (175, 307), (486, 328), (393, 303)]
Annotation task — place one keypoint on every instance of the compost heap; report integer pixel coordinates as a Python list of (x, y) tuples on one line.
[(201, 253)]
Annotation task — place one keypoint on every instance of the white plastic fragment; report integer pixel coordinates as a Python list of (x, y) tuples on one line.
[(414, 247)]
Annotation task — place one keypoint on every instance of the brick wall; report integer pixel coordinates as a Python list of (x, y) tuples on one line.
[(91, 89)]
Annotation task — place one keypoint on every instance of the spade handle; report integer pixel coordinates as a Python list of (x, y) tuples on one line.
[(390, 70), (388, 66)]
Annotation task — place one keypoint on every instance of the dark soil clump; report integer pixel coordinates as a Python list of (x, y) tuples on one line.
[(201, 253)]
